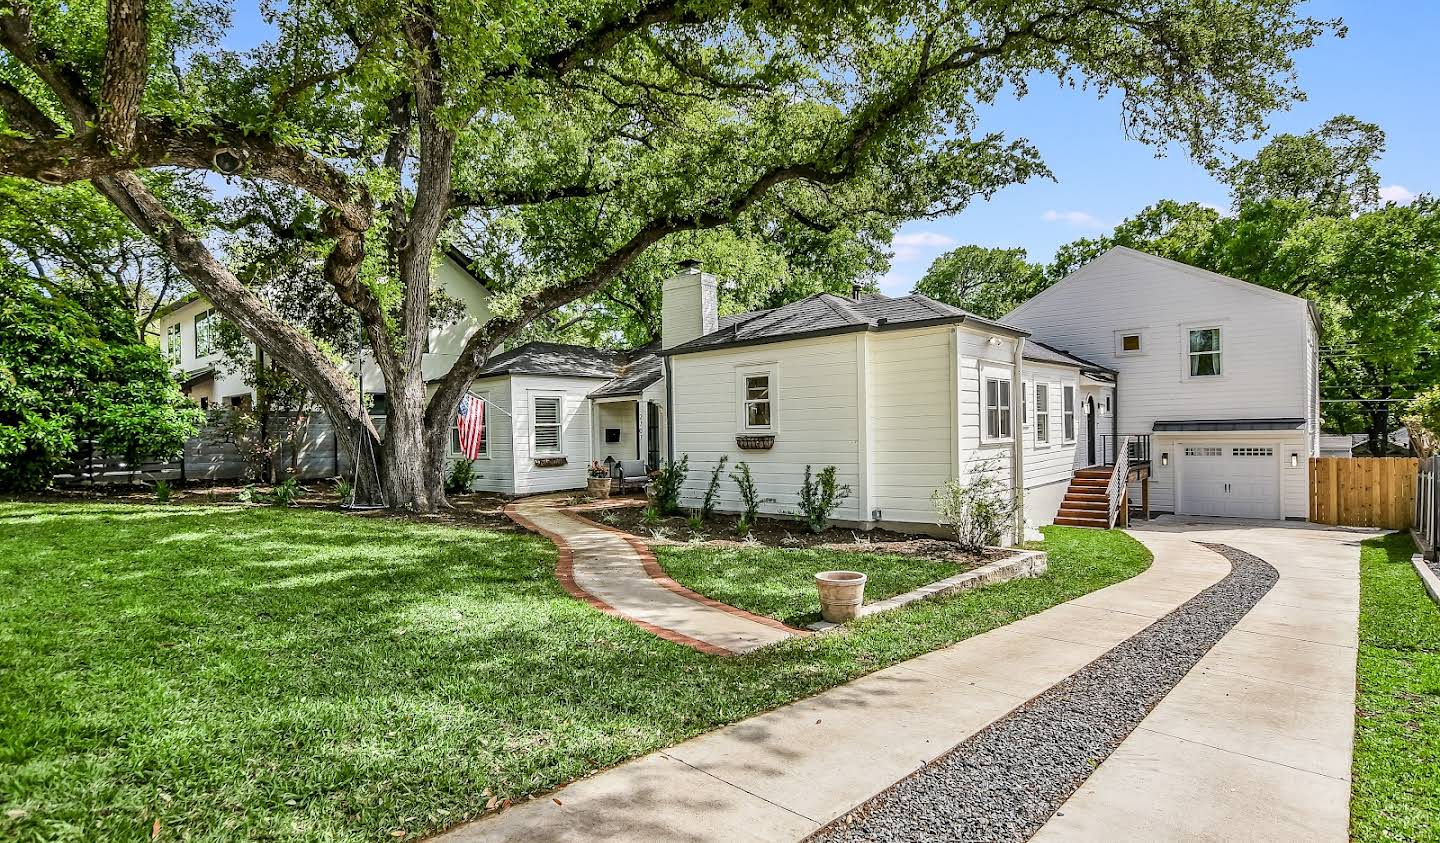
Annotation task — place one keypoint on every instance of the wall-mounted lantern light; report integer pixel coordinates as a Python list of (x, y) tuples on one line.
[(1294, 460), (1165, 458)]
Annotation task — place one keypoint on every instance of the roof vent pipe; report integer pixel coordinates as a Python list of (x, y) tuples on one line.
[(856, 288)]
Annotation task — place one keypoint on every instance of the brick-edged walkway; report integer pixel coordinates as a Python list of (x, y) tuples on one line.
[(617, 574)]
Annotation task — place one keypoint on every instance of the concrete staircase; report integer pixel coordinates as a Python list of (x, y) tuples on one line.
[(1086, 502)]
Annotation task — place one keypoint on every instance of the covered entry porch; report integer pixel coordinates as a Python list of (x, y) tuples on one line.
[(627, 428)]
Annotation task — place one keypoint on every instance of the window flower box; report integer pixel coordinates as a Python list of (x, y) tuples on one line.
[(755, 441), (549, 462)]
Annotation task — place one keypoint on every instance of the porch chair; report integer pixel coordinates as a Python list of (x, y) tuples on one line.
[(630, 475)]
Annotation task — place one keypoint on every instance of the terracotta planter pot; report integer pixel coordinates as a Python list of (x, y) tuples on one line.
[(841, 593), (598, 487)]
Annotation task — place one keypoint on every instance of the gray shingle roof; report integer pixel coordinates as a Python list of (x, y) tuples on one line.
[(1042, 353), (552, 358), (826, 313), (634, 377)]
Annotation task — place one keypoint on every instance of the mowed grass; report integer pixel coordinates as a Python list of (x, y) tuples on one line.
[(1396, 777), (219, 673), (780, 583)]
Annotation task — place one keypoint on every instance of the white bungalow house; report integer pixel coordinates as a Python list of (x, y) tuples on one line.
[(1204, 383)]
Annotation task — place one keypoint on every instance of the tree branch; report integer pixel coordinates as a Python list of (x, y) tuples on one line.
[(127, 62)]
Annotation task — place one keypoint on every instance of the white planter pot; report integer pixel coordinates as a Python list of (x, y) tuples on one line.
[(841, 594)]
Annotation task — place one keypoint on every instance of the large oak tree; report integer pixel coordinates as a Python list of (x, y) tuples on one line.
[(571, 136)]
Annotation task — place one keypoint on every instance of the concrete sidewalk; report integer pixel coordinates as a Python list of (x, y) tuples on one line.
[(1255, 742), (781, 775)]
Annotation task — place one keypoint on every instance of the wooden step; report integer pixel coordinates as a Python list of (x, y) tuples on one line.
[(1103, 473), (1094, 523), (1086, 495), (1087, 483), (1068, 512)]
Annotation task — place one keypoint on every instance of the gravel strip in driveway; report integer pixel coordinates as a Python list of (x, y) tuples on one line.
[(1003, 783)]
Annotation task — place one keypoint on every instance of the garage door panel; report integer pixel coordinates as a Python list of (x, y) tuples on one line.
[(1232, 480)]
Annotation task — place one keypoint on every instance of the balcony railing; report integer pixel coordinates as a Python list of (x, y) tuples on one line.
[(1137, 447)]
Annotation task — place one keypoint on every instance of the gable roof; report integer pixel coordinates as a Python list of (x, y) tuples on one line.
[(826, 314), (1127, 253)]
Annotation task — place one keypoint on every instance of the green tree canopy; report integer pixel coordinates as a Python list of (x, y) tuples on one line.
[(986, 282), (1330, 168), (72, 369)]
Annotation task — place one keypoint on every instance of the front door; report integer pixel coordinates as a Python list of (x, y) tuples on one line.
[(652, 435), (1090, 427)]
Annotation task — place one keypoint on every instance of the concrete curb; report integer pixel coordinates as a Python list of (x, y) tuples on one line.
[(1427, 576), (1021, 564)]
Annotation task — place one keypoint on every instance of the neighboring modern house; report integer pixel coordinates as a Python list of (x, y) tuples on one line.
[(1218, 377), (185, 330)]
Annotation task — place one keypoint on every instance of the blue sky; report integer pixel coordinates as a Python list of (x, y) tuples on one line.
[(1385, 71)]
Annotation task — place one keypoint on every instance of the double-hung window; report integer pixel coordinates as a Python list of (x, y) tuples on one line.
[(757, 411), (1068, 427), (205, 333), (1042, 413), (1204, 352), (172, 344), (546, 425), (997, 408)]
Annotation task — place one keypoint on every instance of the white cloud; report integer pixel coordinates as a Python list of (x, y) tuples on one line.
[(909, 247), (1397, 193), (1080, 219)]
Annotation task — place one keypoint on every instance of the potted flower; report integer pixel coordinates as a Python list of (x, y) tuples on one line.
[(598, 483), (841, 593)]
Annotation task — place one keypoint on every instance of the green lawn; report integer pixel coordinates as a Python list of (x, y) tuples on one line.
[(1396, 777), (780, 583), (263, 673)]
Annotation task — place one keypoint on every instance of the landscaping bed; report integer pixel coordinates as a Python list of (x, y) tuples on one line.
[(1395, 790), (254, 672), (721, 531)]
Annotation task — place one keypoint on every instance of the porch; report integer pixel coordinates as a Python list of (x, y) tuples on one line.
[(627, 428), (1099, 495)]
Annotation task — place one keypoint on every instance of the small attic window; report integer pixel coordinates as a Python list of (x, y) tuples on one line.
[(1129, 342)]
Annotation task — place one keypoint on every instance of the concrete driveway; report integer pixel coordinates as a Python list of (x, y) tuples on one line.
[(1255, 742)]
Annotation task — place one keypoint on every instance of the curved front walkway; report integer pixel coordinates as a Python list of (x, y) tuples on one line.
[(620, 577), (782, 775)]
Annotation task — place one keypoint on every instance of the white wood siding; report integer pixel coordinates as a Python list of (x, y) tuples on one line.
[(575, 432), (617, 415), (495, 469), (911, 424), (1266, 359), (815, 417)]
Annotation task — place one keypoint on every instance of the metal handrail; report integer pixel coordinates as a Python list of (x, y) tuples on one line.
[(1137, 446)]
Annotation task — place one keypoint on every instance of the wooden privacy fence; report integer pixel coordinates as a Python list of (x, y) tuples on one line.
[(1363, 491)]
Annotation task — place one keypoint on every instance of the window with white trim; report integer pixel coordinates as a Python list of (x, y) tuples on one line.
[(205, 333), (1042, 413), (546, 425), (997, 408), (1129, 342), (172, 344), (757, 409), (1252, 452), (1204, 352), (484, 431), (1204, 452), (1068, 407)]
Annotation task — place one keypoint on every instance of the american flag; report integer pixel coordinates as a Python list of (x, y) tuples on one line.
[(470, 421)]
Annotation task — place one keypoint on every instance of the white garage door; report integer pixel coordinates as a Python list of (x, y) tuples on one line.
[(1238, 481)]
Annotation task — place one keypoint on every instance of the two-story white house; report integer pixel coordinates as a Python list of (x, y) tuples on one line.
[(1218, 378)]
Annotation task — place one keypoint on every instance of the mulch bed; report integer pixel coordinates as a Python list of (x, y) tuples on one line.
[(484, 510), (720, 531)]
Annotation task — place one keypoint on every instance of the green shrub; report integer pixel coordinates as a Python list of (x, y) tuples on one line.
[(345, 489), (650, 516), (462, 476), (286, 492), (820, 497), (247, 494), (712, 492), (750, 499), (978, 511), (163, 491), (696, 522), (666, 484)]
